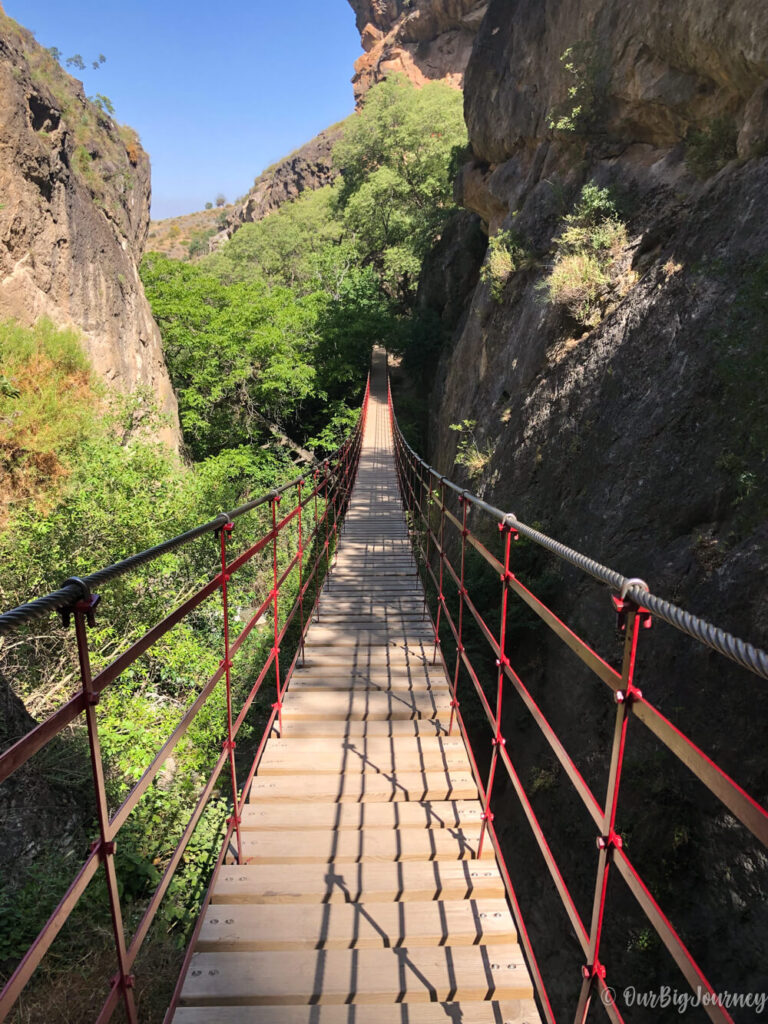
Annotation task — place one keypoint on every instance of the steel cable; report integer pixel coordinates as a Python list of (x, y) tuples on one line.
[(732, 647)]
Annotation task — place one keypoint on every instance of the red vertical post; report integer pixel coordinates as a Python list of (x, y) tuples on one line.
[(278, 705), (326, 519), (441, 595), (301, 569), (229, 742), (501, 662), (460, 628), (632, 619), (84, 614), (315, 477)]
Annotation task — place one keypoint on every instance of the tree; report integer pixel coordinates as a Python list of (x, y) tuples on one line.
[(76, 61), (221, 199), (396, 188), (104, 103), (209, 206)]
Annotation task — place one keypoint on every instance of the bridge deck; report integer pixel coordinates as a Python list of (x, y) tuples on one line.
[(362, 899)]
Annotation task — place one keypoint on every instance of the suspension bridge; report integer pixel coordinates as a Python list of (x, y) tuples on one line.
[(361, 878)]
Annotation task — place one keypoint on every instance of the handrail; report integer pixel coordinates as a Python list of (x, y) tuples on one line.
[(328, 490), (76, 588), (423, 489)]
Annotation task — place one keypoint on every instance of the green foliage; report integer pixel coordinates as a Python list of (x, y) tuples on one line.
[(506, 256), (48, 403), (710, 148), (104, 103), (237, 353), (586, 256), (396, 189), (469, 452), (198, 241), (285, 247), (588, 75)]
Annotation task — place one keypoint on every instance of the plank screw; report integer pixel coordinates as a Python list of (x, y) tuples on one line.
[(214, 920), (230, 920), (214, 971)]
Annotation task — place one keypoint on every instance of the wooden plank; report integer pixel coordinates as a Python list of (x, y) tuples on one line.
[(347, 846), (362, 704), (360, 786), (515, 1011), (235, 927), (363, 885), (329, 757), (353, 883), (381, 682), (377, 658), (319, 727), (435, 814), (364, 976)]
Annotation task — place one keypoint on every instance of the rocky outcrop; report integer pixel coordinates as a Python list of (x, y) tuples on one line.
[(74, 216), (310, 167), (641, 440), (426, 40)]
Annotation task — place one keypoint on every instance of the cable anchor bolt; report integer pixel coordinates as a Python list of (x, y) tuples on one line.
[(624, 605), (612, 841), (628, 696), (590, 971)]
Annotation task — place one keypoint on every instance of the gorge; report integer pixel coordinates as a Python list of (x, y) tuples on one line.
[(584, 344)]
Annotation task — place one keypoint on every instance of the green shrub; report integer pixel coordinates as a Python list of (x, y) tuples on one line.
[(587, 74), (48, 404), (506, 256), (469, 452), (586, 256)]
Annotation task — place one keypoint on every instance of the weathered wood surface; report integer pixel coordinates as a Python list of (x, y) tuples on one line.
[(361, 897)]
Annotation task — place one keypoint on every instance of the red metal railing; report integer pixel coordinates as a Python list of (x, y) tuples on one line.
[(424, 492), (322, 495)]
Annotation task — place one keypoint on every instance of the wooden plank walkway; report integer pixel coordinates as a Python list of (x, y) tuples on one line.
[(362, 898)]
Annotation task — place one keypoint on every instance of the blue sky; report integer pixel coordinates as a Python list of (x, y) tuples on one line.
[(216, 91)]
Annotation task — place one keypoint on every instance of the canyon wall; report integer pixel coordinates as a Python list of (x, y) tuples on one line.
[(641, 439), (74, 215), (310, 167), (425, 40)]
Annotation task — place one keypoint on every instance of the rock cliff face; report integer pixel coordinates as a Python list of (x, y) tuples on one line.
[(310, 167), (422, 39), (74, 215), (641, 440)]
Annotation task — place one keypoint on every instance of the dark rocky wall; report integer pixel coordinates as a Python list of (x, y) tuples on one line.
[(641, 441)]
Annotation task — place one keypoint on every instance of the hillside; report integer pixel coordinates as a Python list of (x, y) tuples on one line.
[(74, 216), (189, 235)]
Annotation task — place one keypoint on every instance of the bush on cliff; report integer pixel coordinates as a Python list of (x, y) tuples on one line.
[(586, 256)]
